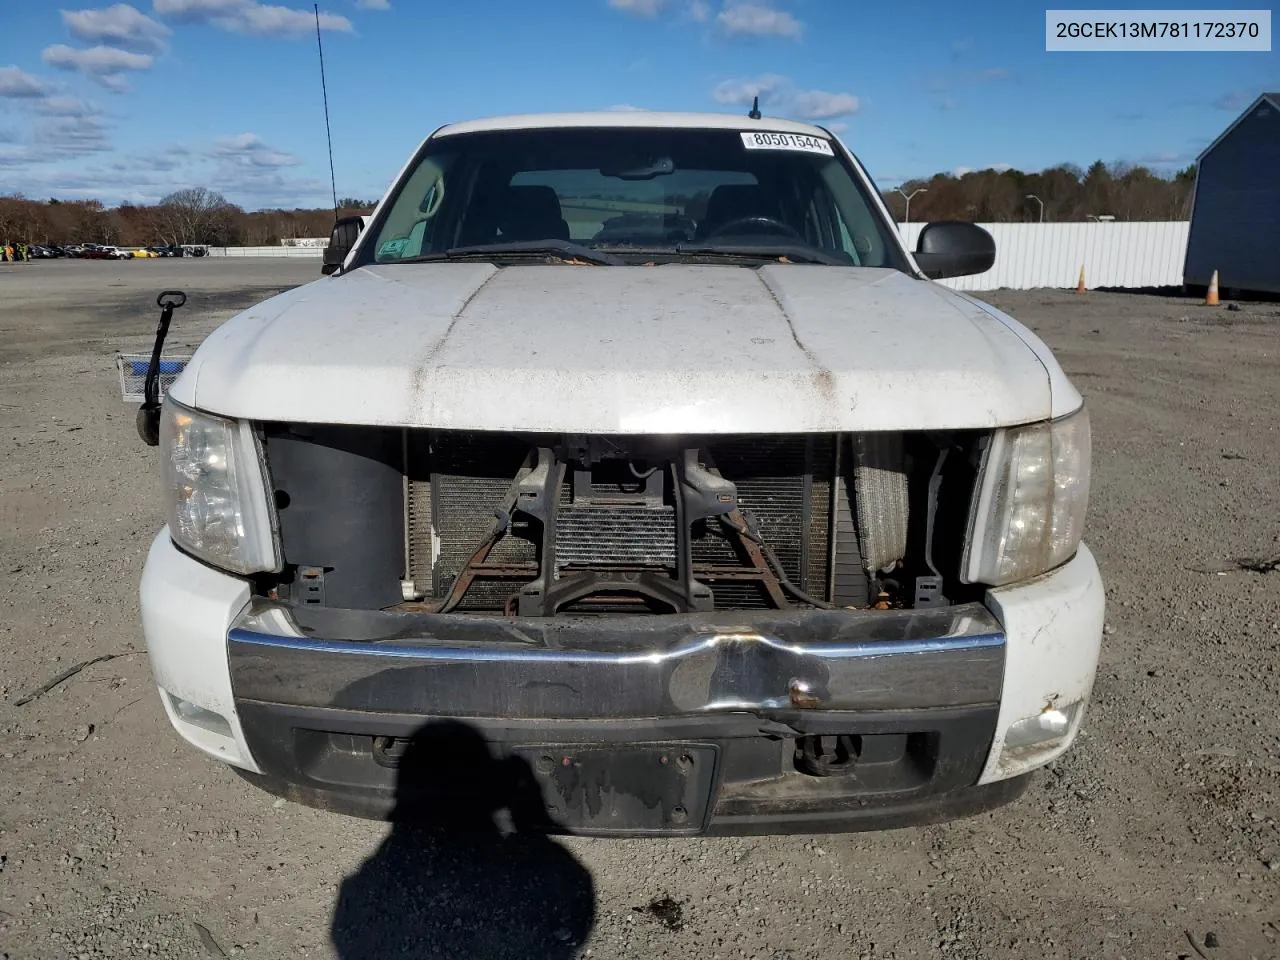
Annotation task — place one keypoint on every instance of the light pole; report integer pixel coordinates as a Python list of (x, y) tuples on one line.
[(906, 216), (1032, 196)]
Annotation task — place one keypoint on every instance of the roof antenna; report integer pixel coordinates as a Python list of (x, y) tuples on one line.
[(333, 182), (755, 109)]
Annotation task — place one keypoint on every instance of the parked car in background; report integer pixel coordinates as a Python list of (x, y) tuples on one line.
[(96, 251), (144, 253)]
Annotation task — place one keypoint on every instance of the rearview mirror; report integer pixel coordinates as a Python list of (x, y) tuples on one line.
[(346, 231), (952, 248), (637, 168)]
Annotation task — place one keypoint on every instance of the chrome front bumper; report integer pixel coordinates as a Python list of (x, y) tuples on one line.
[(585, 707), (298, 698), (618, 667)]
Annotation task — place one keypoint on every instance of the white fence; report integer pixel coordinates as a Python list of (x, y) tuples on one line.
[(313, 252), (1028, 255)]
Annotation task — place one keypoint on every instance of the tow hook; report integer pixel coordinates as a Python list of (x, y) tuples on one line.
[(389, 751), (831, 755)]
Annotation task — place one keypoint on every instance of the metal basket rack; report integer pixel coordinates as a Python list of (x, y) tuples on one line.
[(133, 373)]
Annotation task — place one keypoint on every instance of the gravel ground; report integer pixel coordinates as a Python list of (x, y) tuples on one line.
[(1156, 837)]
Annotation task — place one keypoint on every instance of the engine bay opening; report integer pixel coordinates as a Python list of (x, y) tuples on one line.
[(559, 525)]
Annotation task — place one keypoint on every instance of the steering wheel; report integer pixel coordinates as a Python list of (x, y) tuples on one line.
[(755, 223)]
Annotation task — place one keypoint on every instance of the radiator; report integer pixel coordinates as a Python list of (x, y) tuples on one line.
[(454, 481)]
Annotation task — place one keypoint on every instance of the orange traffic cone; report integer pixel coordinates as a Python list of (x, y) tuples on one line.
[(1080, 288), (1211, 298)]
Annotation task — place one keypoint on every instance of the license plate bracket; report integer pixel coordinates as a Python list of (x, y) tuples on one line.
[(637, 789)]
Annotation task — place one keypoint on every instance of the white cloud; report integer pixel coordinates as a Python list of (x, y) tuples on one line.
[(961, 171), (641, 8), (195, 10), (16, 157), (699, 11), (838, 127), (758, 20), (144, 180), (248, 149), (282, 21), (57, 139), (1001, 167), (60, 105), (120, 25), (249, 16), (373, 4), (106, 65), (1236, 100), (821, 105), (626, 108), (1164, 158), (783, 97), (742, 92), (73, 136), (19, 84)]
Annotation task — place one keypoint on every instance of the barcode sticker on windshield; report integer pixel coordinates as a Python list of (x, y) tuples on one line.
[(786, 141)]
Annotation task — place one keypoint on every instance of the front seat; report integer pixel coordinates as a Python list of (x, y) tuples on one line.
[(531, 213), (733, 201)]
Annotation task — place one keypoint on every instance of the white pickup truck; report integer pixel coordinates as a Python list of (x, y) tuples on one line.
[(627, 474)]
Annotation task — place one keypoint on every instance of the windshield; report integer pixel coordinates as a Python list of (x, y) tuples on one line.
[(640, 193)]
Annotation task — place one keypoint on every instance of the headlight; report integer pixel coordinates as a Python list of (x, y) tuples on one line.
[(213, 477), (1028, 516)]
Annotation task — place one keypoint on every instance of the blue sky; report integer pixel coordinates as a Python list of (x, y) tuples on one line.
[(126, 102)]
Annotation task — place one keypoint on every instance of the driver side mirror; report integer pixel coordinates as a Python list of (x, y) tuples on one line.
[(953, 248), (346, 231)]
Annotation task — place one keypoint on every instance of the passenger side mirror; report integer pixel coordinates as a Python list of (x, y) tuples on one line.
[(952, 248), (346, 231)]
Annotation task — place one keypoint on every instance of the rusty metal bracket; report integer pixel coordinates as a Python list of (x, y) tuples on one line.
[(768, 579)]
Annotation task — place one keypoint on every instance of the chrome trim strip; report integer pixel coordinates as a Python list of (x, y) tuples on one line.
[(480, 654), (384, 662)]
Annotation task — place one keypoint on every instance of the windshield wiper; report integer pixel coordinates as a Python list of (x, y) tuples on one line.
[(565, 249), (799, 252)]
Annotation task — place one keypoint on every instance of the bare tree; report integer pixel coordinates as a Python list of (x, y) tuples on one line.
[(196, 215), (20, 219)]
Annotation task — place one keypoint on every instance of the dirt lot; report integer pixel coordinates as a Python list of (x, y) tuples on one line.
[(1157, 837)]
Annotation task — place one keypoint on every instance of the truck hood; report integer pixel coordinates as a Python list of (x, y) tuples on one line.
[(679, 348)]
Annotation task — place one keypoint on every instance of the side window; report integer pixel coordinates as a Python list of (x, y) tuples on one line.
[(823, 224), (846, 240), (844, 237), (406, 228), (857, 225)]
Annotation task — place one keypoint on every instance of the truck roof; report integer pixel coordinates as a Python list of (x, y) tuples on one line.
[(631, 118)]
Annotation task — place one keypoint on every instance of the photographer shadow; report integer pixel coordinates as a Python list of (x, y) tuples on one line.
[(467, 870)]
